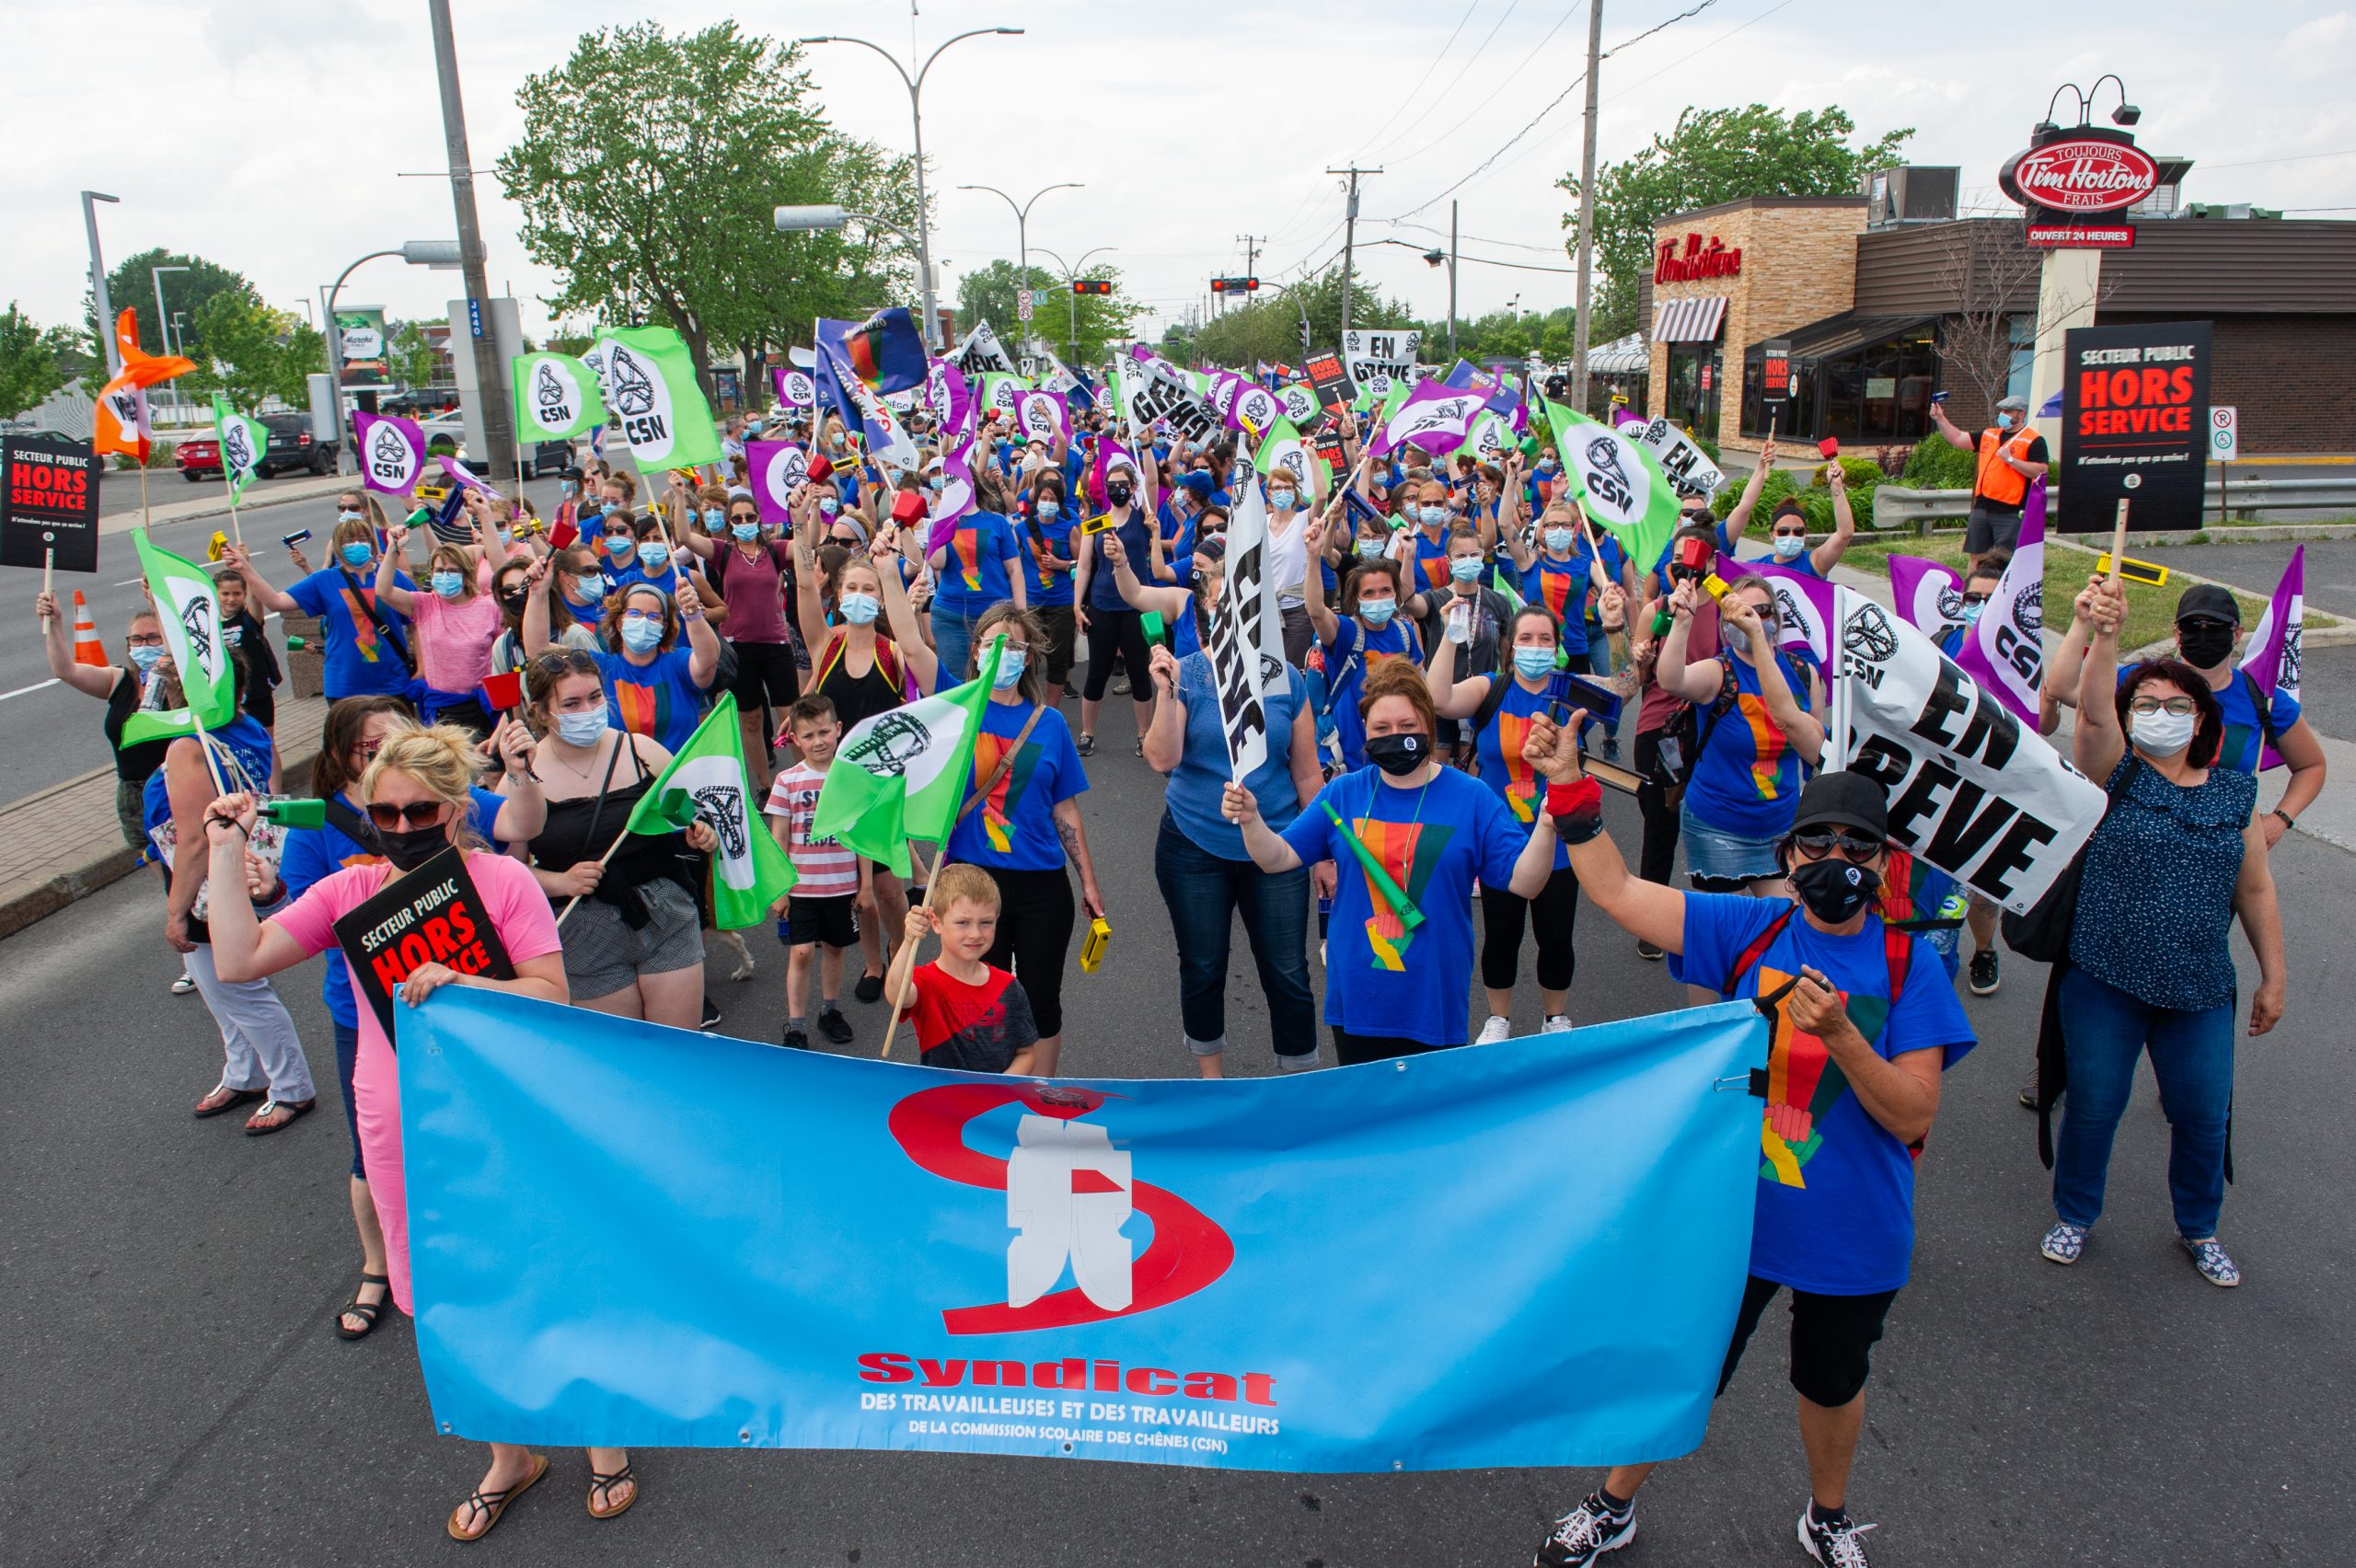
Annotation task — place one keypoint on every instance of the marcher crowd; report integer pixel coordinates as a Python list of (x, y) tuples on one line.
[(1426, 757)]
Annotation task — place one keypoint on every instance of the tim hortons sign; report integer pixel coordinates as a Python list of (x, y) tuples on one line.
[(2084, 171)]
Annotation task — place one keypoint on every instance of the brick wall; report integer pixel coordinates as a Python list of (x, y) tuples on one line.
[(2288, 376)]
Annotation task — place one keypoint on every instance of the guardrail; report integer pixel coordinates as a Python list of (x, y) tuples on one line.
[(1897, 507)]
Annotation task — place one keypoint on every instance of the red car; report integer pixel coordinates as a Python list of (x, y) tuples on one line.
[(289, 445)]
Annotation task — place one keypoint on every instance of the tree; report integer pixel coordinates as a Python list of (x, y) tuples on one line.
[(1987, 268), (1713, 155), (414, 361), (1269, 329), (648, 171), (131, 286), (31, 362), (250, 351), (987, 294)]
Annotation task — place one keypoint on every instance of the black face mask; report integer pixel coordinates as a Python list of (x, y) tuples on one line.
[(2205, 647), (1399, 755), (1832, 889), (516, 601), (1118, 492), (411, 847)]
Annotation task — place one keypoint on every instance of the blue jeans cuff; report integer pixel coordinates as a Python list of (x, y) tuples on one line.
[(1206, 1047)]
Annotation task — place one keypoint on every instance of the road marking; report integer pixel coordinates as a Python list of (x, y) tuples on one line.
[(37, 685)]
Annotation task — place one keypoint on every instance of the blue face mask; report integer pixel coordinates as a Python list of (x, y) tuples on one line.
[(581, 729), (747, 532), (1560, 540), (567, 488), (592, 589), (144, 658), (1377, 611), (861, 609), (828, 506), (1010, 668), (1532, 663), (1545, 464), (651, 556), (1050, 509), (1971, 614), (357, 554), (1283, 499), (1432, 516), (642, 636), (621, 546), (1465, 568), (448, 584), (1369, 549), (712, 518)]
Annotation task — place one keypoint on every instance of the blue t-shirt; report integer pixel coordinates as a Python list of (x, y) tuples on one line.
[(1800, 565), (245, 742), (1202, 773), (1136, 542), (660, 700), (2245, 737), (313, 853), (1014, 828), (1048, 588), (1346, 661), (1434, 840), (1747, 780), (1497, 748), (619, 579), (974, 568), (1615, 565), (1562, 586), (1835, 1209), (1431, 562), (360, 663)]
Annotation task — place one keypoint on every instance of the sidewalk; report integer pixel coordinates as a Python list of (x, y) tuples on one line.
[(214, 502)]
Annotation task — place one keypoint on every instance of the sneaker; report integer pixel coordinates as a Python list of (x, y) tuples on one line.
[(1836, 1543), (184, 984), (1612, 749), (1647, 950), (2214, 1265), (1984, 978), (795, 1040), (1584, 1534), (2028, 1090), (869, 989), (1495, 1030), (1087, 746), (710, 1015), (2064, 1243), (1556, 1023), (834, 1025)]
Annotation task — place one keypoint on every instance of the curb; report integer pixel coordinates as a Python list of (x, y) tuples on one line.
[(203, 510), (2336, 629)]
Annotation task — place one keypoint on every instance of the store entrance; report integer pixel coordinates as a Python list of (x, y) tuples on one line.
[(1696, 373)]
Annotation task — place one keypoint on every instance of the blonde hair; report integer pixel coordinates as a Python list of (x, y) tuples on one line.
[(1033, 683), (961, 883), (441, 761), (461, 561)]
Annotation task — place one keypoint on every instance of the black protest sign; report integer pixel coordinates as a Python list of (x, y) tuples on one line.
[(2134, 426), (1775, 369), (432, 916), (1331, 381), (51, 503), (1158, 398)]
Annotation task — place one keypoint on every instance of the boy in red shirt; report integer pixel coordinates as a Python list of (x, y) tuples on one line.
[(968, 1016)]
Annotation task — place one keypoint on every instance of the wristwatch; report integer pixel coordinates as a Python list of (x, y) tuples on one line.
[(2288, 820)]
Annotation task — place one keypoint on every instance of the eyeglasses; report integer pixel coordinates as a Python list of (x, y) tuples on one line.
[(1818, 842), (2181, 707), (1975, 598), (146, 639), (416, 814), (628, 615)]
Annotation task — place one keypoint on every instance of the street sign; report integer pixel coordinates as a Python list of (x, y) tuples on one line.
[(1022, 304), (2224, 433)]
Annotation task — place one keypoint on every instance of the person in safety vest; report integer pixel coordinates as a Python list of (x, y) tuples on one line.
[(2009, 455)]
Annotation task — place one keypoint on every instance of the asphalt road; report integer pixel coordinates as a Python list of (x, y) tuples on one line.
[(175, 1394), (118, 492), (2330, 569)]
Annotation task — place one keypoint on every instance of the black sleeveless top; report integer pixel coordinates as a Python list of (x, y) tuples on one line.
[(583, 829), (857, 697), (133, 763)]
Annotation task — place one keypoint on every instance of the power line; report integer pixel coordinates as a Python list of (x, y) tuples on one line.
[(1431, 66), (1697, 52), (1470, 61), (2295, 157), (1494, 92)]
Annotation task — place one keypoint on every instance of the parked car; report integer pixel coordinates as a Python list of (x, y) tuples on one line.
[(289, 445), (199, 457)]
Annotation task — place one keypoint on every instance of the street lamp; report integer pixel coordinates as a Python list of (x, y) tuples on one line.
[(1022, 232), (443, 255), (114, 355), (806, 220), (163, 321), (1071, 296), (916, 115)]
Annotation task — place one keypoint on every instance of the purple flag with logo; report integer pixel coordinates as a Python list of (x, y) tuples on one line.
[(776, 468), (1804, 614), (459, 475), (956, 497), (1929, 595), (2006, 649), (1434, 419), (1042, 416), (2271, 655), (391, 451)]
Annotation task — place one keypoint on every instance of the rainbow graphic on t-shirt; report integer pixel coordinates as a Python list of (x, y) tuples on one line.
[(1407, 851), (1769, 747), (996, 807), (967, 544), (1803, 1081), (1554, 589), (1521, 779), (642, 708), (365, 641)]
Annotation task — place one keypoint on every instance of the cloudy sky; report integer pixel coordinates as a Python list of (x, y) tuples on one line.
[(284, 127)]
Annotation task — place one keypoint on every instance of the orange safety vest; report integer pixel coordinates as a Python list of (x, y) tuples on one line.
[(1999, 481)]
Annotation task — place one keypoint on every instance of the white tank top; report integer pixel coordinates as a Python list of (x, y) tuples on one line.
[(1288, 562)]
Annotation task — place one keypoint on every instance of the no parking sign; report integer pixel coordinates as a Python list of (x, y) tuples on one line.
[(2224, 433)]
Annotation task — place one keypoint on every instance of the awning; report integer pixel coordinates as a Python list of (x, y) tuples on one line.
[(1692, 320), (1837, 335), (1622, 356)]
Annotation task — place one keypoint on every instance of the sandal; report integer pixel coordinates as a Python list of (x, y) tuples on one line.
[(602, 1485), (1087, 744), (224, 1099), (296, 1110), (494, 1503), (366, 1312)]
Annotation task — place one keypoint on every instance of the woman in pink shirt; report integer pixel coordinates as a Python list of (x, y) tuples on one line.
[(457, 621), (415, 792)]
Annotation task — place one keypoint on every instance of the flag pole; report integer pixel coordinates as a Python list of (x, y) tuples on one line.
[(145, 520), (48, 570), (1836, 753), (908, 976)]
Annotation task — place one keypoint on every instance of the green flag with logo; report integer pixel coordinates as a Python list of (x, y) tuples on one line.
[(1617, 482), (555, 397), (705, 782), (903, 773), (650, 383), (189, 609), (242, 443)]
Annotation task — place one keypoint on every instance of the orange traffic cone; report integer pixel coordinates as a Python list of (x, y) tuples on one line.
[(88, 648)]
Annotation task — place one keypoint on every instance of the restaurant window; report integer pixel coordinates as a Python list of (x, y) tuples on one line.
[(1880, 392), (1696, 374), (2023, 329)]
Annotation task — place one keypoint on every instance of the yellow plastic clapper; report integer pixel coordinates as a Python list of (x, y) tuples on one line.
[(1092, 951), (2149, 573), (1715, 585), (217, 546), (1098, 524)]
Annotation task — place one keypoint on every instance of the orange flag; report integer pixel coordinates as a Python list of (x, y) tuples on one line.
[(120, 419)]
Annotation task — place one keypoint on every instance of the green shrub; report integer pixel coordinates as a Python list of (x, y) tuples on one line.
[(1935, 465), (159, 456), (1814, 498)]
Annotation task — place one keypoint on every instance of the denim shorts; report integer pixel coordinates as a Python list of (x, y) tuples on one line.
[(1714, 856)]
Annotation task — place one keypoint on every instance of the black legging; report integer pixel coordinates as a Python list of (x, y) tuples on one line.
[(1552, 913), (1035, 912), (1657, 859), (1112, 631)]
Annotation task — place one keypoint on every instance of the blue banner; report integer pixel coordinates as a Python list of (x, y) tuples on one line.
[(1527, 1253)]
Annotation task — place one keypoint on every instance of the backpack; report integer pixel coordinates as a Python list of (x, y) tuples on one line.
[(1688, 732)]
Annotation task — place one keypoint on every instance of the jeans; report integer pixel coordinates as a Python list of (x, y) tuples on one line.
[(952, 639), (2105, 1031), (1204, 893)]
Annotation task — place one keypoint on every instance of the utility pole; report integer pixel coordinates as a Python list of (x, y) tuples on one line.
[(1251, 244), (1349, 234), (491, 376), (1587, 211), (1451, 280), (107, 348)]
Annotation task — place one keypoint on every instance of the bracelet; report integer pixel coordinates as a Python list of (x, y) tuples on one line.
[(2288, 820), (227, 821)]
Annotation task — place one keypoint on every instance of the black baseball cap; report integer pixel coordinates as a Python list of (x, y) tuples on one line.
[(1847, 799), (2208, 599)]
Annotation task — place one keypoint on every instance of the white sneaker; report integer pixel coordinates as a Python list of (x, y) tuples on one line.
[(1495, 1030), (1556, 1023), (184, 984)]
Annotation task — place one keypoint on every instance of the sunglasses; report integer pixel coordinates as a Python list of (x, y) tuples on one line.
[(557, 661), (415, 813), (1818, 842), (1975, 598)]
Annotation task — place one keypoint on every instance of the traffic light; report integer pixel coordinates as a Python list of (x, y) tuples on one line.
[(1304, 335), (1234, 285), (1091, 286)]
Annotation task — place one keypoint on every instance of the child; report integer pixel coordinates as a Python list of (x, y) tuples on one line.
[(967, 1015), (821, 908)]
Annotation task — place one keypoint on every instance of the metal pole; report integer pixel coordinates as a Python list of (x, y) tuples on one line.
[(163, 322), (1587, 211), (107, 348), (490, 376), (924, 222), (1451, 280)]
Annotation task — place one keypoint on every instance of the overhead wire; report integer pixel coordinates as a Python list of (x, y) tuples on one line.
[(1470, 61), (1429, 66), (1497, 90)]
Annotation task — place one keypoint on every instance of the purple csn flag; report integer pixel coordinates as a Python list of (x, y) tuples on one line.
[(1434, 417), (391, 451), (777, 468), (794, 388), (1805, 609), (1929, 596), (956, 497), (459, 475), (2006, 649), (2271, 654), (1042, 416), (1527, 1254)]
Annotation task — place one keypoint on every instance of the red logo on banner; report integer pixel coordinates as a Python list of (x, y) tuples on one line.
[(2086, 173)]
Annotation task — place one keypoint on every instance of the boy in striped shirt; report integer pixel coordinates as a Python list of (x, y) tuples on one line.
[(822, 910)]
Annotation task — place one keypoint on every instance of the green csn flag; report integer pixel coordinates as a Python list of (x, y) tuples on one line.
[(903, 773), (1281, 445), (706, 780), (1616, 483), (242, 443), (649, 381), (189, 609), (555, 397)]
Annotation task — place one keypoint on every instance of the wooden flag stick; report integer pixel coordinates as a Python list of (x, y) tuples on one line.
[(2119, 541), (48, 570), (908, 974), (145, 520)]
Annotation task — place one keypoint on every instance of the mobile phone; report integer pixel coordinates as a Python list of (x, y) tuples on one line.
[(296, 537), (1938, 397)]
